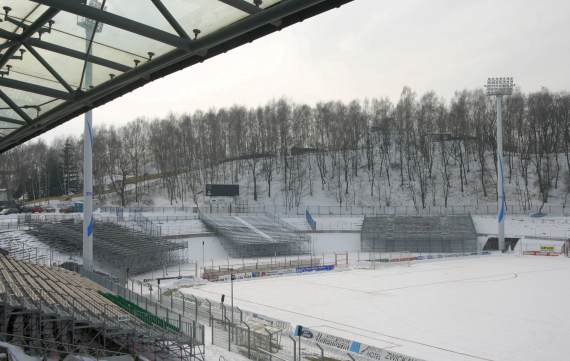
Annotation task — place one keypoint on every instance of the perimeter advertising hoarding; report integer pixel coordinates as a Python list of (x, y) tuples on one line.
[(345, 345)]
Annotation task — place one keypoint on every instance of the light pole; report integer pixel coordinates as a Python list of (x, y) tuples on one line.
[(91, 27), (232, 278), (500, 87)]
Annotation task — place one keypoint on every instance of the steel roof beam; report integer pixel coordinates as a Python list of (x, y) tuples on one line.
[(229, 37), (78, 55), (242, 5), (15, 107), (12, 121), (117, 21), (18, 23), (34, 88), (268, 16), (49, 68), (171, 19), (249, 8), (66, 51), (27, 33)]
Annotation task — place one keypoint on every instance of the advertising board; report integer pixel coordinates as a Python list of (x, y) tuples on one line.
[(345, 345)]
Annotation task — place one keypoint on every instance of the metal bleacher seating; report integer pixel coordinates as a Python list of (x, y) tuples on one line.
[(256, 236), (425, 234), (118, 246), (37, 302)]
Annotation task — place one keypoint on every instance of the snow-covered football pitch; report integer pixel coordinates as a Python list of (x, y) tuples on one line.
[(476, 308)]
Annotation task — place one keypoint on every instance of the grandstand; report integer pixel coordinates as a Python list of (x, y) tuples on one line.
[(256, 236), (442, 234), (48, 309), (120, 246)]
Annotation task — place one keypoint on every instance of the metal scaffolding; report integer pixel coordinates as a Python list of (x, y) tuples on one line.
[(44, 58), (120, 247), (427, 234), (256, 236), (45, 310)]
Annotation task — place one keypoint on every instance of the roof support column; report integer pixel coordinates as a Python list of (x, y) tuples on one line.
[(91, 27), (88, 221)]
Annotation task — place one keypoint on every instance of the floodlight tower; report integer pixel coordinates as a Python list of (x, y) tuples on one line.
[(91, 27), (500, 87)]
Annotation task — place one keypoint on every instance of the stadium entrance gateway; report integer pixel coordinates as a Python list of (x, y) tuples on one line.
[(118, 52)]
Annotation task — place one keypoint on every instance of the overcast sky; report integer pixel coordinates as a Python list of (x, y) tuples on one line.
[(368, 48)]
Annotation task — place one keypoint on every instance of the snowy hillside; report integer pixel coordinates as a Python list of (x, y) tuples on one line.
[(357, 192)]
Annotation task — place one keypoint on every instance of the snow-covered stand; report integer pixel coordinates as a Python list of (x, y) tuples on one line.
[(437, 234)]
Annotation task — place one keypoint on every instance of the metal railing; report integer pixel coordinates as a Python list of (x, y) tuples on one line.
[(190, 328), (261, 337), (346, 210)]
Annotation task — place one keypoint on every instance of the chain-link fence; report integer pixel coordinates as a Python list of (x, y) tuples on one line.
[(346, 210)]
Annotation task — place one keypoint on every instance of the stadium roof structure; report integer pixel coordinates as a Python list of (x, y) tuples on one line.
[(44, 49)]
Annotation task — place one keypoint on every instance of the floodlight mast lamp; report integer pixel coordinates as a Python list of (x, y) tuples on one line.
[(91, 27), (499, 87)]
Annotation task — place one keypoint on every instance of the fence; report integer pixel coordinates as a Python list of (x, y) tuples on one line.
[(276, 266), (318, 210), (46, 256), (273, 266), (145, 224), (176, 320), (9, 224), (263, 342), (260, 337)]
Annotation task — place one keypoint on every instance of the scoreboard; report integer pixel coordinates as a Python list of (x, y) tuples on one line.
[(222, 190)]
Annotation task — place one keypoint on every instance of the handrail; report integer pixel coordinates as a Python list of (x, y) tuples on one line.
[(260, 349)]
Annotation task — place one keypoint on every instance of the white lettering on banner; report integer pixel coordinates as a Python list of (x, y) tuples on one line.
[(333, 341), (372, 352), (279, 272), (255, 274), (345, 345)]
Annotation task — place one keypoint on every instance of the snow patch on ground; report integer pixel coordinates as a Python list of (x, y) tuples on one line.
[(213, 353), (494, 307), (16, 353)]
